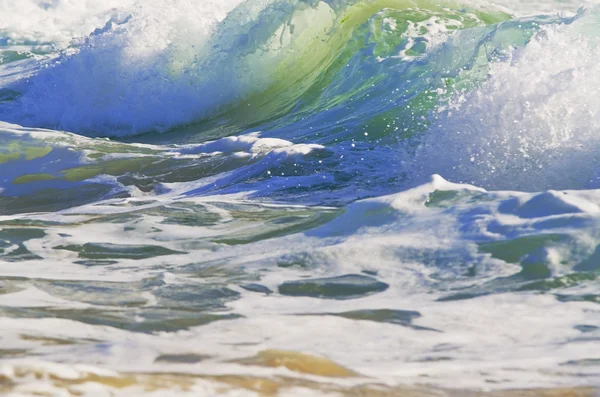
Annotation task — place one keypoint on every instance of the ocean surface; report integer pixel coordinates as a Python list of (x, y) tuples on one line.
[(298, 197)]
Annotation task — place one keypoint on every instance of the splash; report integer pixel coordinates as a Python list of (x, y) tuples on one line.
[(532, 125)]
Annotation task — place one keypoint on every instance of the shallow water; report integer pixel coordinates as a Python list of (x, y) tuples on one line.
[(298, 197)]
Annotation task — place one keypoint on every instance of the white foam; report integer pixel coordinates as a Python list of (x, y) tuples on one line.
[(243, 143), (524, 8), (421, 247), (55, 22), (532, 125), (59, 22), (142, 72), (33, 297)]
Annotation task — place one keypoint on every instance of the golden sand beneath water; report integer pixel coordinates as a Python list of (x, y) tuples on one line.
[(276, 386)]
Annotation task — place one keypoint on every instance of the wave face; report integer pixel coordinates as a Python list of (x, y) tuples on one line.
[(232, 191), (154, 67)]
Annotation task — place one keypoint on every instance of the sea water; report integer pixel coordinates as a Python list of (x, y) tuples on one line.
[(298, 197)]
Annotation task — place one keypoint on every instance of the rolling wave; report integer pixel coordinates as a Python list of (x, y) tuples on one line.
[(156, 68)]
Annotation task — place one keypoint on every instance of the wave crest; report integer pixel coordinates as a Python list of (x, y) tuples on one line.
[(170, 65)]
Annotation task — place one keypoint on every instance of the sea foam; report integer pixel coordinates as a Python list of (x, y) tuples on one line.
[(534, 124)]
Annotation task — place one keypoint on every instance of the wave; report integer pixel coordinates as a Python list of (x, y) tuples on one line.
[(389, 91), (163, 65)]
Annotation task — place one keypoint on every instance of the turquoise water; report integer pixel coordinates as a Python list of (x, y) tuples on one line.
[(407, 188)]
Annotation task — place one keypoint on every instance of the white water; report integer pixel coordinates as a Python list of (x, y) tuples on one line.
[(139, 72), (533, 125), (61, 21), (501, 341)]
